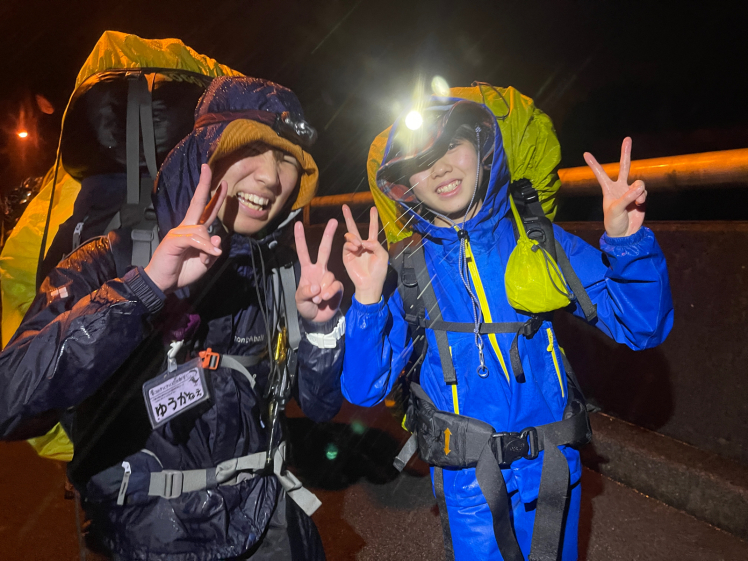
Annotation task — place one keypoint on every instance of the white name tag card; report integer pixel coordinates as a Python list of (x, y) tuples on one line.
[(173, 393)]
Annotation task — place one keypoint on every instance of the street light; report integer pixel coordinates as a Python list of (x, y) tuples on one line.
[(23, 134)]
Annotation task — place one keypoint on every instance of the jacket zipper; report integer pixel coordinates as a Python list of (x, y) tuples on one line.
[(552, 350), (478, 285), (455, 400)]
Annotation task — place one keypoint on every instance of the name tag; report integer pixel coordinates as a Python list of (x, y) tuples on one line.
[(173, 393)]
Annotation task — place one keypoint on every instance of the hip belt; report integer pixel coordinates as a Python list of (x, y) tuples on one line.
[(170, 484), (455, 441)]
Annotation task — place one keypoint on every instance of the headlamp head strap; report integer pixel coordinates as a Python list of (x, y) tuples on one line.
[(290, 127)]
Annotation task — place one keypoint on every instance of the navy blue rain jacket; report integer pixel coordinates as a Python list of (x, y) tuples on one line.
[(97, 330)]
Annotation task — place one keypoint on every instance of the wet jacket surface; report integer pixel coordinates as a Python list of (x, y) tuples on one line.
[(99, 328), (627, 281)]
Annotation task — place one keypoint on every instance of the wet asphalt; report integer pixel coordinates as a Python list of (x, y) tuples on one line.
[(369, 511)]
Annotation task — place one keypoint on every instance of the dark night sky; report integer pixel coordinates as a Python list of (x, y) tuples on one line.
[(670, 74)]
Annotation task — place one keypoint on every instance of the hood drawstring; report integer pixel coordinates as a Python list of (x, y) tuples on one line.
[(464, 237)]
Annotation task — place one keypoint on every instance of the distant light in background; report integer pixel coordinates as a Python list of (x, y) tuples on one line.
[(23, 140), (413, 120), (44, 105), (357, 427), (331, 451), (440, 86)]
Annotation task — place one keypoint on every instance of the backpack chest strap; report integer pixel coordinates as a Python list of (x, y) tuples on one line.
[(417, 292), (528, 329), (213, 361)]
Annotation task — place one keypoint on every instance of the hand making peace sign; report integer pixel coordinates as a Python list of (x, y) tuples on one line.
[(188, 251), (365, 260), (623, 205), (319, 294)]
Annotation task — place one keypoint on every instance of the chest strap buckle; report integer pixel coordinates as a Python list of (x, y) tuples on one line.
[(211, 360)]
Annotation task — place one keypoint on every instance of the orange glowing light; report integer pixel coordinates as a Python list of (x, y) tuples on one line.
[(23, 134)]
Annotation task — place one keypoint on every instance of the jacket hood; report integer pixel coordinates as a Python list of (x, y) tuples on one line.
[(407, 151), (252, 109), (528, 141)]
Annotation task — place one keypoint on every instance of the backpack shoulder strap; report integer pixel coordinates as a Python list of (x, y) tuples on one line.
[(283, 266), (536, 223), (288, 284), (417, 292), (588, 308), (540, 228), (407, 281), (413, 307)]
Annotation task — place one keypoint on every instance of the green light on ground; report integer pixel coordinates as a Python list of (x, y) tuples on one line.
[(357, 427), (331, 451)]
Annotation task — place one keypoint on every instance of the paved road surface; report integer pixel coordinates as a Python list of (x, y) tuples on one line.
[(369, 512)]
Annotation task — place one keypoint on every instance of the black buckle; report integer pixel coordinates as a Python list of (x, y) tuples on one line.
[(524, 189), (409, 277), (511, 446), (531, 327), (534, 230)]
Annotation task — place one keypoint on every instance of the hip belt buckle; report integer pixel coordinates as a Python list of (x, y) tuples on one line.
[(511, 446)]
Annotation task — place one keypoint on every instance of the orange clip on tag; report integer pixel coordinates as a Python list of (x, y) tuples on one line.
[(211, 360)]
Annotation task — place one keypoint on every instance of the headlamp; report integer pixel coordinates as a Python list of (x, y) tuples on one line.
[(287, 125), (295, 129)]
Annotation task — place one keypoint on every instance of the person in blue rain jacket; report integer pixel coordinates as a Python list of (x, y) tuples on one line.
[(450, 180), (99, 328)]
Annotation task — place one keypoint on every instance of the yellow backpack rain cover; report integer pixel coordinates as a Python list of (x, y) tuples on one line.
[(20, 256)]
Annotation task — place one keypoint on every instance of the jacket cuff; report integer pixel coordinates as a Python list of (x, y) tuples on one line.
[(633, 239), (145, 289), (367, 308), (325, 334)]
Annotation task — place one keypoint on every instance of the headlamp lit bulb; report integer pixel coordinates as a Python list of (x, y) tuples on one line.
[(413, 120)]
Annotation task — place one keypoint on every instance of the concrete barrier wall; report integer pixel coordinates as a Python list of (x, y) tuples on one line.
[(695, 386)]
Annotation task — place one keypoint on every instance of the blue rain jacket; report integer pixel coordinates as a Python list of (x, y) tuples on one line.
[(634, 307), (97, 322)]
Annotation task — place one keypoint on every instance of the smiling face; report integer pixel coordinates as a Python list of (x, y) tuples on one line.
[(447, 186), (260, 182)]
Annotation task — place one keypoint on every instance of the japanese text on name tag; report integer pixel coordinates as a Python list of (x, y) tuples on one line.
[(170, 397)]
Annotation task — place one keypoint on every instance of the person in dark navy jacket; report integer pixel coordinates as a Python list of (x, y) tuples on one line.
[(199, 486)]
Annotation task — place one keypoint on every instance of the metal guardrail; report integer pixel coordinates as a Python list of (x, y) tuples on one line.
[(672, 173)]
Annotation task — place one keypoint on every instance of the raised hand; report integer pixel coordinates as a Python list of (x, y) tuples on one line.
[(623, 204), (319, 293), (188, 251), (365, 260)]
